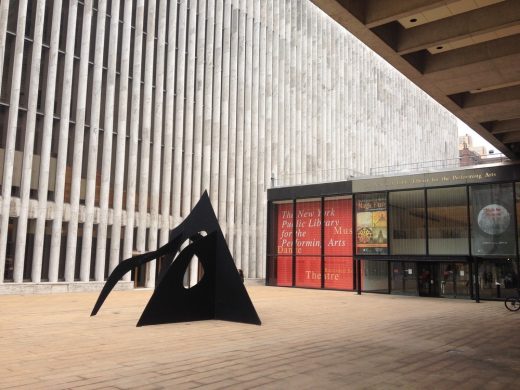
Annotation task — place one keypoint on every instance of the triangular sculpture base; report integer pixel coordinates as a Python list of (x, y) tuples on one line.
[(219, 294)]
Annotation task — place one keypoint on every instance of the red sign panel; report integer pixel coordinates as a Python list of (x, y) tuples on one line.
[(338, 227), (308, 242), (284, 244), (337, 241), (339, 273), (284, 271), (308, 228), (308, 271)]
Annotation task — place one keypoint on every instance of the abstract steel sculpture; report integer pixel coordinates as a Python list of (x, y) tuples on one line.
[(220, 293)]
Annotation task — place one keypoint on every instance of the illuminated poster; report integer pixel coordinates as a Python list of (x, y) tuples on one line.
[(371, 224), (338, 244), (284, 244), (492, 225), (308, 244)]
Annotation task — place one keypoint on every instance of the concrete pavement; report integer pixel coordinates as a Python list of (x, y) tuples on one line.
[(309, 340)]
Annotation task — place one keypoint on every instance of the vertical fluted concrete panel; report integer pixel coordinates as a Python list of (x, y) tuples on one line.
[(232, 126), (155, 185), (86, 248), (122, 123), (293, 121), (190, 124), (4, 13), (240, 132), (244, 207), (25, 185), (168, 126), (225, 117), (282, 134), (245, 91), (63, 140), (180, 93), (216, 106), (269, 127), (275, 131), (108, 134), (257, 191), (198, 124), (48, 116), (12, 123), (209, 142), (146, 120), (131, 182), (77, 162)]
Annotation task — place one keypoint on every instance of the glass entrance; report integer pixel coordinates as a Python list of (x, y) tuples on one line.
[(498, 278), (428, 279), (455, 280), (404, 278)]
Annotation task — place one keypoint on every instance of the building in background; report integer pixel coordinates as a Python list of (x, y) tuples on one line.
[(470, 154), (116, 115)]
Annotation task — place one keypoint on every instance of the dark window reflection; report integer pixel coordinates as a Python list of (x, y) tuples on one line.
[(498, 278), (448, 221), (374, 276), (407, 223)]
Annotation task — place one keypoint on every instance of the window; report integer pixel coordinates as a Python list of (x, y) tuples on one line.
[(492, 220), (308, 243), (448, 226), (407, 223), (337, 216), (280, 253)]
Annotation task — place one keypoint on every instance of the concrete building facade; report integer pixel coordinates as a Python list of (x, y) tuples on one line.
[(116, 115)]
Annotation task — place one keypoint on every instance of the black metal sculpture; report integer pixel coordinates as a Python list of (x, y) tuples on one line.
[(220, 293)]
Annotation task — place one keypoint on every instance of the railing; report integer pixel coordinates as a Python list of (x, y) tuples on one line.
[(435, 165), (339, 174), (314, 177)]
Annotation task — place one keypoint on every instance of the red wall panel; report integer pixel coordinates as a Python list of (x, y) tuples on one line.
[(339, 273)]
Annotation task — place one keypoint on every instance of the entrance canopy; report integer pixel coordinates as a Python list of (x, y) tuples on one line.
[(463, 53)]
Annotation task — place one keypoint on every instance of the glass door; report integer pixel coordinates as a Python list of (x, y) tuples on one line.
[(428, 279)]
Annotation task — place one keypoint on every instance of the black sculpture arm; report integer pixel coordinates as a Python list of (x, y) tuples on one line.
[(129, 264)]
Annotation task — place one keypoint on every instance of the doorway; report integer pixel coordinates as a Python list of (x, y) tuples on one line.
[(455, 280), (428, 279)]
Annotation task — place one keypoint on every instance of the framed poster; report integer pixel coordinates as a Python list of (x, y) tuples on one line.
[(371, 224)]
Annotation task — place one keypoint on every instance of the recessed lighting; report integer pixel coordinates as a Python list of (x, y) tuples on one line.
[(413, 20), (440, 47)]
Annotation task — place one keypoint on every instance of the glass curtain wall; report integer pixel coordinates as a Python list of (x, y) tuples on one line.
[(448, 230), (407, 218)]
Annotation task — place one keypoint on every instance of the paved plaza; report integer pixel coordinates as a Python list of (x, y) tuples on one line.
[(309, 340)]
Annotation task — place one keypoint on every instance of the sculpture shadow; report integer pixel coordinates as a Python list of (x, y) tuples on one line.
[(219, 294)]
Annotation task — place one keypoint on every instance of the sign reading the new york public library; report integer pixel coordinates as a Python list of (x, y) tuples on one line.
[(337, 230)]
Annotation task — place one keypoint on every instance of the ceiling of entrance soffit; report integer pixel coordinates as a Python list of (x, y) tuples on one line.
[(463, 53)]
